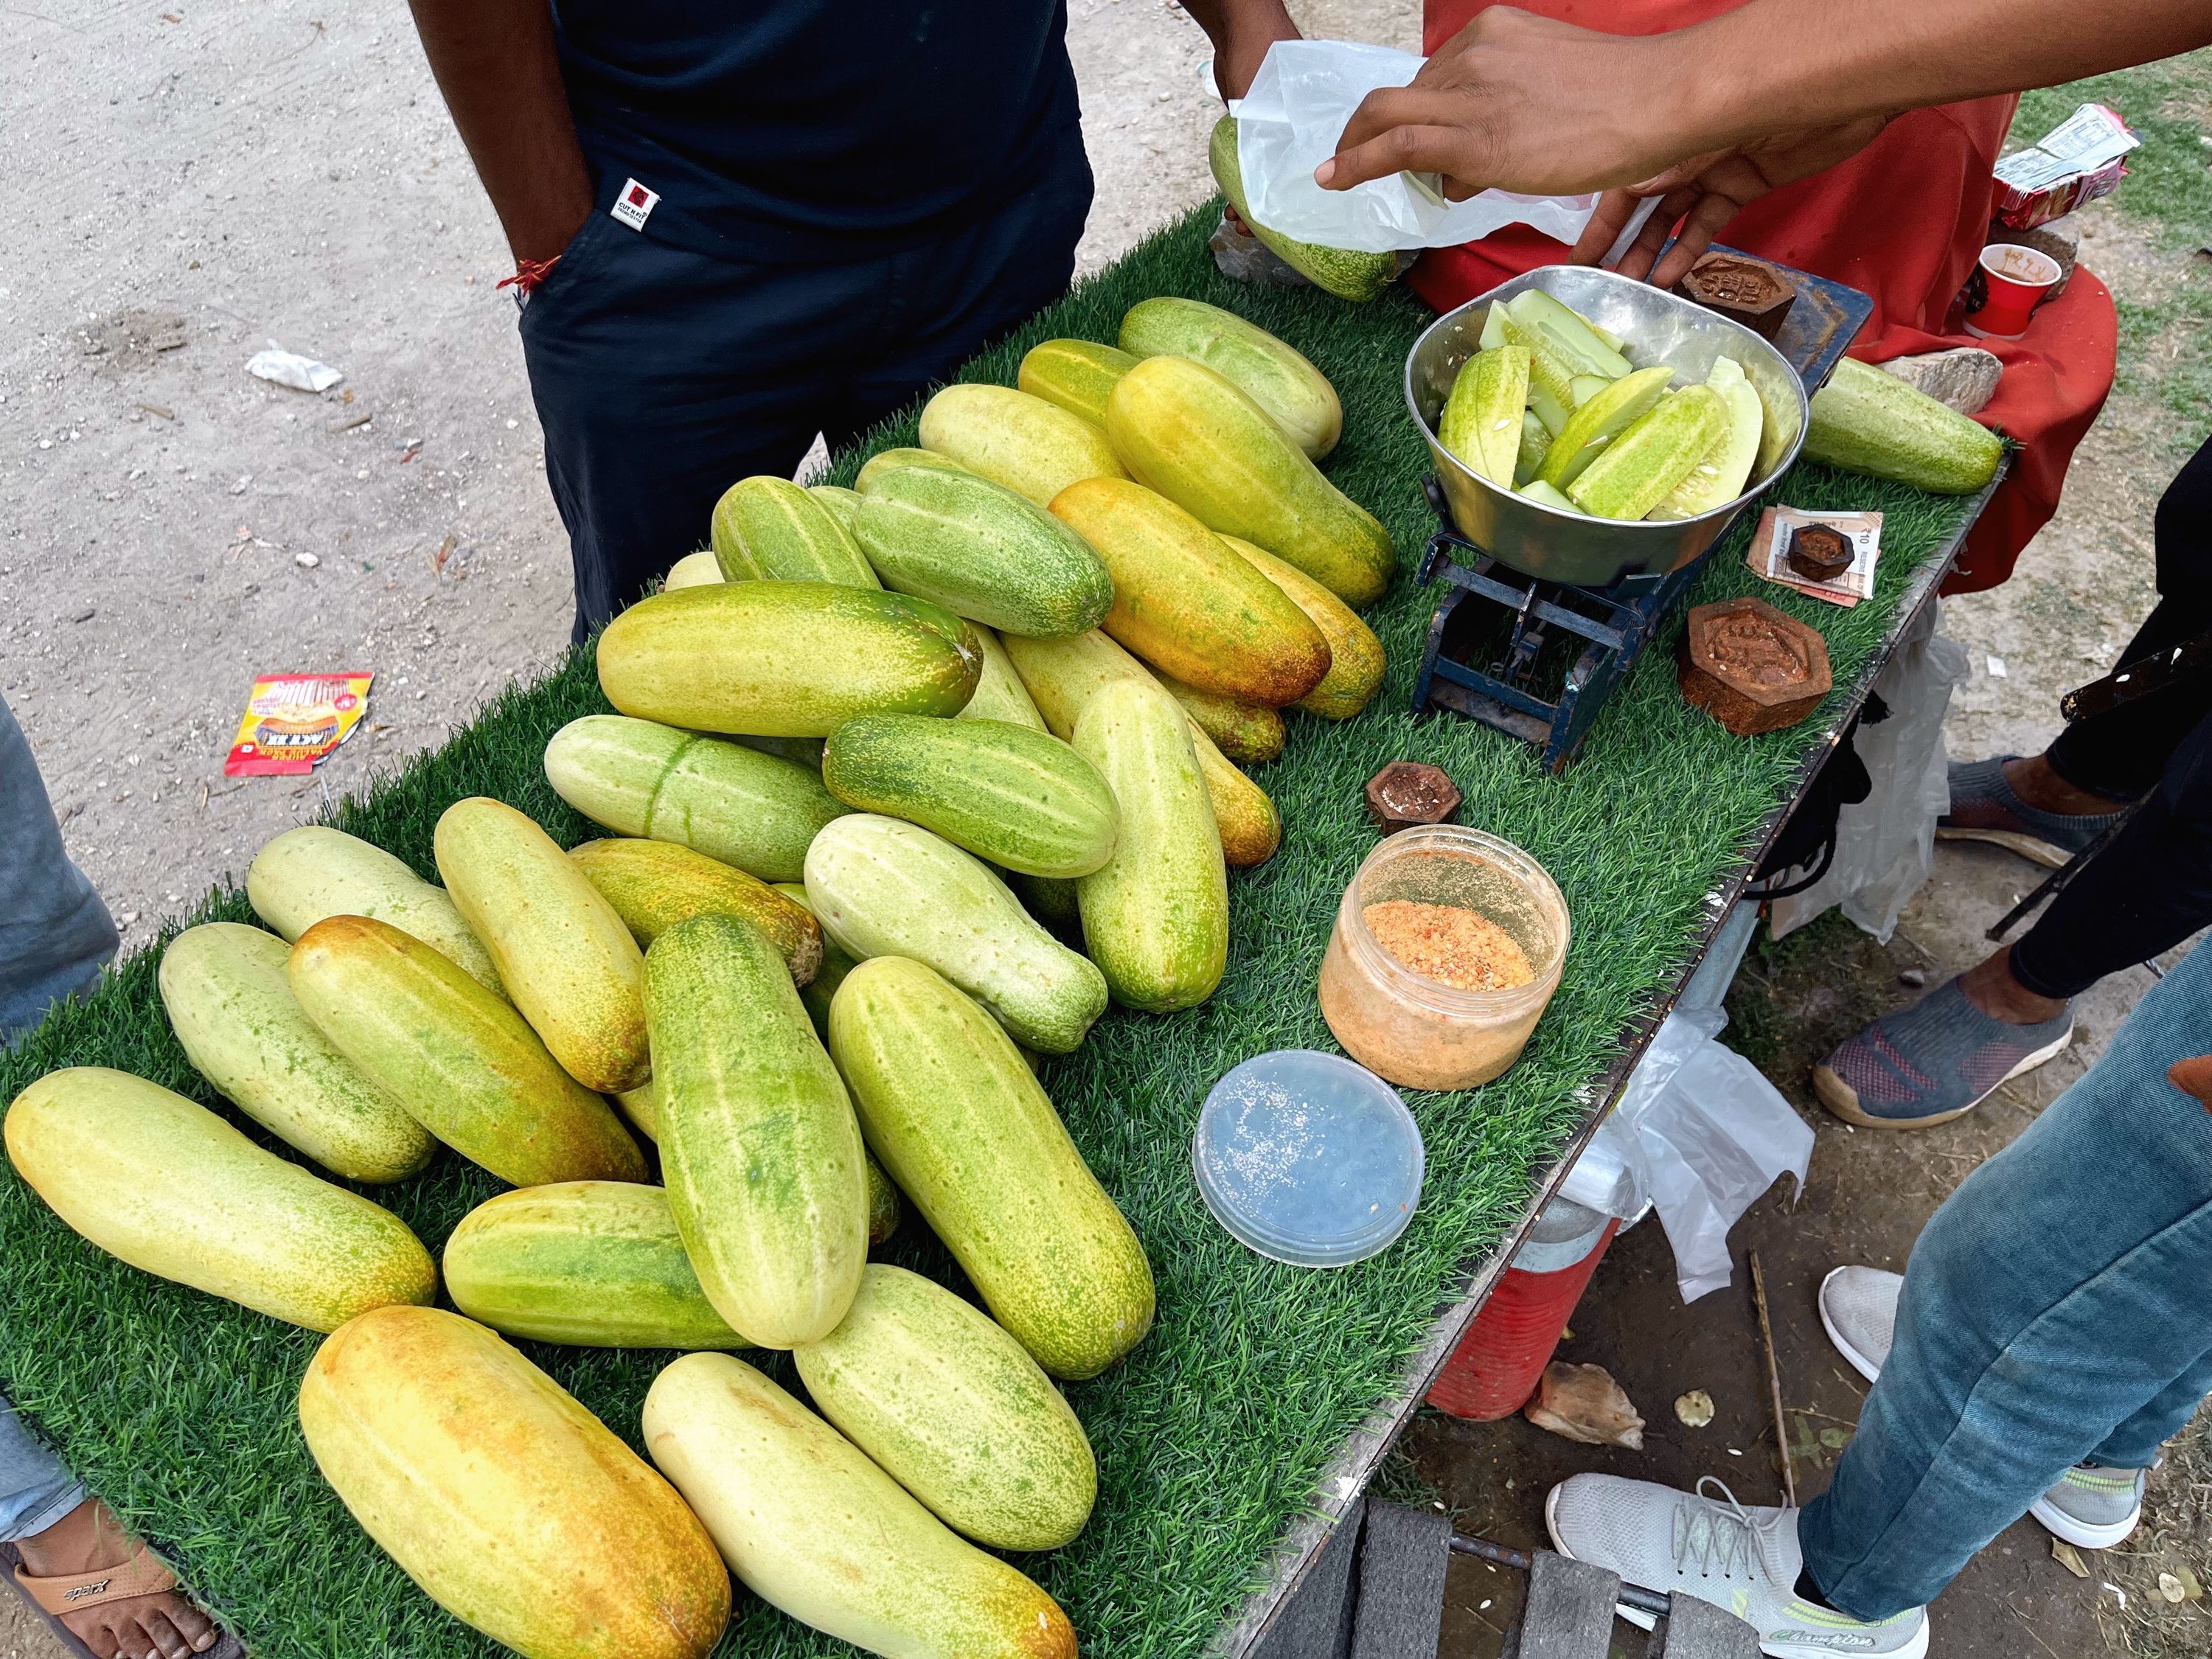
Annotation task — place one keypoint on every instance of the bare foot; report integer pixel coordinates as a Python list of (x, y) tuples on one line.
[(1990, 985), (162, 1625)]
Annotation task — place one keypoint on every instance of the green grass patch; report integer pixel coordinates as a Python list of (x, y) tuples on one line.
[(178, 1407)]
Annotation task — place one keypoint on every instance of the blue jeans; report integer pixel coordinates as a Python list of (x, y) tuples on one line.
[(2055, 1311), (662, 376), (35, 1490), (54, 931)]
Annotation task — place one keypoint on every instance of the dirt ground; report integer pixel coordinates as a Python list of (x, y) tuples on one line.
[(189, 184)]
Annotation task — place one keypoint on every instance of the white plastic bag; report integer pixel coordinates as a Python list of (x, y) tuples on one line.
[(1886, 845), (1699, 1133), (1288, 125)]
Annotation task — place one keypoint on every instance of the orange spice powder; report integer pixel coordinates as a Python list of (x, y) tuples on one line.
[(1450, 944)]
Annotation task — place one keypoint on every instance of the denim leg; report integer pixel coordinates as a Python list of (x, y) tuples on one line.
[(54, 931), (2057, 1296), (35, 1490), (2134, 1444)]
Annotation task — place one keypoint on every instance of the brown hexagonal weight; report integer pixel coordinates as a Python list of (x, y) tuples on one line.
[(1405, 794), (1743, 291), (1752, 668), (1819, 552)]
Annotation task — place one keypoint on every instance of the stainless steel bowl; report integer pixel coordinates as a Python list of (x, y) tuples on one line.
[(1658, 327)]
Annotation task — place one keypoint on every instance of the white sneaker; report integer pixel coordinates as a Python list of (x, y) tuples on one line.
[(2091, 1508), (1745, 1560)]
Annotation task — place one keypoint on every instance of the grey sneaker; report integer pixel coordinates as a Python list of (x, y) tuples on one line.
[(1746, 1560), (1858, 1308), (2048, 839), (2091, 1508), (1934, 1061)]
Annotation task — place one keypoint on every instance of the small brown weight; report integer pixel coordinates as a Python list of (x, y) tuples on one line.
[(1751, 668), (1819, 552), (1407, 793), (1743, 291)]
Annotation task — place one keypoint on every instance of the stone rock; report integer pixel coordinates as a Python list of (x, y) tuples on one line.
[(1584, 1403), (1963, 377)]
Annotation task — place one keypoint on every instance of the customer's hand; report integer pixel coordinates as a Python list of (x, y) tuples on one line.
[(2193, 1077), (1705, 192)]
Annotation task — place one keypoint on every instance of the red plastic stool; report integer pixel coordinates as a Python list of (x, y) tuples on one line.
[(1499, 1361)]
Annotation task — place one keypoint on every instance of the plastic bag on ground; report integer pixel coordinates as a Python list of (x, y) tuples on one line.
[(1699, 1133), (1288, 125), (1886, 845)]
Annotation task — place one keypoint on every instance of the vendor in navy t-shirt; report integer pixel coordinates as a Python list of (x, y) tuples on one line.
[(740, 225)]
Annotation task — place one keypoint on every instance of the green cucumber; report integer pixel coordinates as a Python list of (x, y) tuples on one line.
[(954, 1410), (971, 1139), (1722, 471), (462, 1061), (1535, 439), (167, 1185), (1155, 918), (593, 1264), (981, 551), (890, 460), (881, 887), (1598, 421), (1868, 422), (1481, 420), (771, 527), (301, 877), (1641, 467), (223, 986), (839, 500), (753, 811), (1279, 380), (759, 1150), (1000, 694), (1347, 275), (837, 963), (654, 884), (785, 659), (1019, 798)]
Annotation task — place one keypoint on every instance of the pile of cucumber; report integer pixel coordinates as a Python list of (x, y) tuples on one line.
[(898, 796)]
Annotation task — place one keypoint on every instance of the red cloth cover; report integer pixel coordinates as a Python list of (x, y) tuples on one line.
[(1904, 221)]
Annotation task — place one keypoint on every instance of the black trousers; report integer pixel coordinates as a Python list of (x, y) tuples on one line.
[(663, 376), (2151, 887)]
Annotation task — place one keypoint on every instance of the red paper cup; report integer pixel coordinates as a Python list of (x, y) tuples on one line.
[(2018, 278)]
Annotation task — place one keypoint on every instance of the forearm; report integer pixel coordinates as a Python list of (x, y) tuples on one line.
[(1781, 65), (1241, 31), (495, 64)]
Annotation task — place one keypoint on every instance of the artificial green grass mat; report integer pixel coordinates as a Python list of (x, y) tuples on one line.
[(178, 1407)]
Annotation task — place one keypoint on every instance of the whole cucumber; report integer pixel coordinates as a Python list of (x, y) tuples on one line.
[(1034, 447), (305, 874), (654, 884), (1000, 694), (1279, 379), (772, 528), (1076, 375)]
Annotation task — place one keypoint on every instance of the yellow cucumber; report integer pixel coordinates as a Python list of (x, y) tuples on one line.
[(1722, 471), (697, 570), (1023, 799), (1277, 377), (223, 988), (593, 1264), (812, 1526), (169, 1187), (1156, 919), (1868, 422), (771, 527), (1061, 675), (1076, 375), (1355, 654), (964, 1129), (566, 956), (1000, 694), (1187, 604), (753, 812), (461, 1061), (983, 551), (1249, 733), (1640, 468), (1596, 423), (1481, 420), (784, 659), (654, 884), (759, 1150), (1191, 434), (1341, 272), (305, 874), (890, 460), (881, 887), (1031, 447), (512, 1507), (955, 1410), (815, 993)]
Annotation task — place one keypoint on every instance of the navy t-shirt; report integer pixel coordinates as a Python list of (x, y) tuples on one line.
[(802, 130)]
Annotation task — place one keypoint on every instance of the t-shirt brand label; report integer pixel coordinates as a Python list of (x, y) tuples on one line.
[(634, 205)]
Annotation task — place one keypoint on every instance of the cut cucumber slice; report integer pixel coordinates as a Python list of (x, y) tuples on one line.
[(1641, 468), (1570, 334), (1535, 440), (1599, 421), (1722, 472), (1540, 491), (1481, 422)]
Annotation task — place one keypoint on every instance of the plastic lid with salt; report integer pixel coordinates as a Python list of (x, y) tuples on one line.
[(1308, 1158)]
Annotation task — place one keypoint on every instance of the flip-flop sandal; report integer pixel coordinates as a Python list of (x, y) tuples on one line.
[(2048, 839), (142, 1574)]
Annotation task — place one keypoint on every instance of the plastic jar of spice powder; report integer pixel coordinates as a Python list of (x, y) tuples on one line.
[(1446, 947)]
